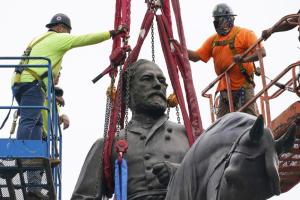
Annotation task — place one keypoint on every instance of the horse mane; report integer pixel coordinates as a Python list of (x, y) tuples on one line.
[(232, 123)]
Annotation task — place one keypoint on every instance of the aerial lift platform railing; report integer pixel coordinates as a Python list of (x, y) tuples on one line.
[(289, 166), (19, 158)]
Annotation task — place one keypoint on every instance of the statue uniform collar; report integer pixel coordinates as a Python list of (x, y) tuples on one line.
[(146, 129)]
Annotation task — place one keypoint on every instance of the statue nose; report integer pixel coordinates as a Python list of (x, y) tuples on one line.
[(157, 84)]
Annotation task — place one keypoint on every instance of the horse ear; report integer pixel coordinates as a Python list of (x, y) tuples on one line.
[(257, 130), (286, 141)]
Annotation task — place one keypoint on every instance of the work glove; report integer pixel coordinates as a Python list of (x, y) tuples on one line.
[(121, 29), (266, 33), (238, 58), (164, 171), (60, 100), (58, 91), (64, 119)]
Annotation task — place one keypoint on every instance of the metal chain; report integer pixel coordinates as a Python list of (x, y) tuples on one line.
[(119, 110), (108, 107), (126, 102), (152, 43), (168, 112), (127, 91), (178, 115), (107, 113)]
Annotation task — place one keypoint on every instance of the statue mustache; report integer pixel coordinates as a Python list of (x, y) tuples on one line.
[(161, 94)]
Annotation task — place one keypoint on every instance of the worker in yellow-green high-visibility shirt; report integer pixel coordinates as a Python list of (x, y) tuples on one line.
[(30, 84)]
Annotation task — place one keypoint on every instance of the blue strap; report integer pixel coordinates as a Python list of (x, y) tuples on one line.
[(121, 176)]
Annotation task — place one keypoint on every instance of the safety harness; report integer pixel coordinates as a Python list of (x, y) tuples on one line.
[(239, 97), (18, 72), (230, 42), (20, 69)]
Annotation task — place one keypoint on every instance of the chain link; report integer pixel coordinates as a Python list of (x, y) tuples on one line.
[(152, 43), (178, 115), (168, 112), (108, 108), (119, 101), (107, 114), (127, 90)]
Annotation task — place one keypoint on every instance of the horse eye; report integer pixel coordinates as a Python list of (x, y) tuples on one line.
[(234, 182)]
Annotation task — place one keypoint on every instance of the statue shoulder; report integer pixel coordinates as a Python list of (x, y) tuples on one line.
[(99, 142), (172, 126)]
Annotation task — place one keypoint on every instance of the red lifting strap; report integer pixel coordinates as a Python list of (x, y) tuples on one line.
[(115, 109), (176, 58), (173, 73), (193, 106)]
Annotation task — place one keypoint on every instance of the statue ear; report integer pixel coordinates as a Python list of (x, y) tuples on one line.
[(286, 141), (257, 130)]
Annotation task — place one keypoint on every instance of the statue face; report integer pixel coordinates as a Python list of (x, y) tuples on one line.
[(148, 90)]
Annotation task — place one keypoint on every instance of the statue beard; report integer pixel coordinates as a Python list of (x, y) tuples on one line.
[(151, 108)]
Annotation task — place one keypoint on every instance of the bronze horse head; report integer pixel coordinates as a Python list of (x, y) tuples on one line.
[(236, 158)]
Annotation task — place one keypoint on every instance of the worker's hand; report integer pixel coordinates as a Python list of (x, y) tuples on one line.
[(162, 172), (266, 33), (121, 29), (64, 119), (238, 58), (60, 101)]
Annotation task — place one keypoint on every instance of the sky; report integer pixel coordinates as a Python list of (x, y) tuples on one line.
[(21, 21)]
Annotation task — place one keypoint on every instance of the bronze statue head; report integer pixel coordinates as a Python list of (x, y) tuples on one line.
[(147, 93)]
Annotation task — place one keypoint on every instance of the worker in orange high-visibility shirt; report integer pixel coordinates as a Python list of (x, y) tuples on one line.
[(226, 47)]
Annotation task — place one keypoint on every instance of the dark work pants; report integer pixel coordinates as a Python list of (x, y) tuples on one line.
[(223, 107), (30, 123)]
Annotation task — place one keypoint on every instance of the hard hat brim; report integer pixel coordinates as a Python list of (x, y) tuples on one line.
[(53, 24), (224, 15)]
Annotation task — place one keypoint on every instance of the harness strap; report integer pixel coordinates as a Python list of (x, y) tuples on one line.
[(41, 78), (230, 42), (37, 77), (27, 52), (31, 45), (240, 65), (19, 70)]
